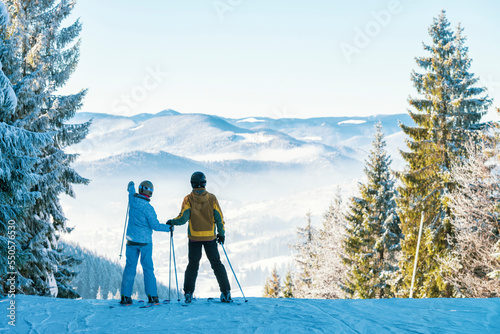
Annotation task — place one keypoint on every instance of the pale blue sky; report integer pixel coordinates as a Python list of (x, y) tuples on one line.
[(275, 58)]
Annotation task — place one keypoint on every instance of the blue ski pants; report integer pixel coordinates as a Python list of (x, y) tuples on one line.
[(132, 253)]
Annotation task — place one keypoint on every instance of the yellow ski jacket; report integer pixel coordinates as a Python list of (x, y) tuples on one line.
[(204, 214)]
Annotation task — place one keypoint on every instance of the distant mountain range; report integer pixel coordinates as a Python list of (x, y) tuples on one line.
[(206, 138)]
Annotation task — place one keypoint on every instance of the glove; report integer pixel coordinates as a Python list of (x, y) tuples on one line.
[(169, 222), (220, 239), (131, 183)]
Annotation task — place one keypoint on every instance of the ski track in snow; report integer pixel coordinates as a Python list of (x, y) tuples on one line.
[(260, 315)]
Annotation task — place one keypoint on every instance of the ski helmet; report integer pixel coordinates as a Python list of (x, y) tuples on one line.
[(198, 180), (146, 188)]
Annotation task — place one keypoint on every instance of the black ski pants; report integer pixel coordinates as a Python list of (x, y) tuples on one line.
[(213, 256)]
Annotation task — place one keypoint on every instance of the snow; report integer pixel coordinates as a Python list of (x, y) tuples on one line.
[(311, 138), (4, 15), (250, 120), (352, 121), (35, 314), (224, 139)]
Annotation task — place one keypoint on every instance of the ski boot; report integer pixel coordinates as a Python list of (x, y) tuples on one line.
[(188, 297), (225, 297), (126, 301), (153, 300)]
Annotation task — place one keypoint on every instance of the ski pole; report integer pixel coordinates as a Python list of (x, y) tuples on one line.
[(124, 229), (416, 255), (175, 266), (234, 273), (170, 268)]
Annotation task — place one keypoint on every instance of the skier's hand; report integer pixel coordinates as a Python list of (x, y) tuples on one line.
[(131, 183), (169, 222), (220, 239)]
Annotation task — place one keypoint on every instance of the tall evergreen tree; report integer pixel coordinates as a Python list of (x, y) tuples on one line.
[(19, 151), (38, 57), (448, 107), (373, 234)]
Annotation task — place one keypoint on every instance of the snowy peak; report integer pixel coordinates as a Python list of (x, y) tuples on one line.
[(145, 116)]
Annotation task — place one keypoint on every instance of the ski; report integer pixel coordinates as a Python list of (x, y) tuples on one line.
[(140, 302), (217, 301), (148, 305)]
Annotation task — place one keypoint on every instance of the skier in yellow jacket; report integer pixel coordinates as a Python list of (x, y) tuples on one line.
[(206, 228)]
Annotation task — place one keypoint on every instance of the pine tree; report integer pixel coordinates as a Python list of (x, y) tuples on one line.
[(330, 271), (449, 107), (99, 293), (272, 288), (19, 151), (374, 234), (289, 286), (305, 259), (39, 57), (474, 263)]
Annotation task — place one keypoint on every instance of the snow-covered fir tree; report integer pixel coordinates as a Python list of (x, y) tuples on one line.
[(450, 104), (19, 152), (305, 259), (288, 286), (474, 263), (330, 272), (272, 287), (111, 296), (99, 293), (39, 55), (373, 233)]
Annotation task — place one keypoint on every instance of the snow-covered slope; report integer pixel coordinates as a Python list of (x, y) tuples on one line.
[(258, 315)]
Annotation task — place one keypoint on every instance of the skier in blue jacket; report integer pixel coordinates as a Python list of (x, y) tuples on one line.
[(142, 221)]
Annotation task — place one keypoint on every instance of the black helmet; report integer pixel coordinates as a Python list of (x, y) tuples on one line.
[(146, 188), (198, 180)]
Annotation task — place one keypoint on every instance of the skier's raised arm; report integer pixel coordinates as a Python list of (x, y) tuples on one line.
[(142, 220)]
